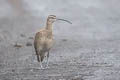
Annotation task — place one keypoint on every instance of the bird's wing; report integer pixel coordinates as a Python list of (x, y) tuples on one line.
[(37, 43)]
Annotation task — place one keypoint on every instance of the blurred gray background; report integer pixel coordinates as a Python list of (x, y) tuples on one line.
[(86, 50)]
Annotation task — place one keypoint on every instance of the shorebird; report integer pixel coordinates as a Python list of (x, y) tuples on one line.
[(43, 41)]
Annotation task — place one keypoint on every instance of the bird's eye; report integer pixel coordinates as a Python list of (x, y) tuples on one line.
[(52, 17)]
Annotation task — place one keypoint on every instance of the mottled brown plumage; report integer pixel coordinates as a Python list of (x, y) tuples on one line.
[(43, 42), (44, 39)]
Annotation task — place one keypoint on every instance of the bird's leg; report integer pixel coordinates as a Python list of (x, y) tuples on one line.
[(41, 64), (47, 59)]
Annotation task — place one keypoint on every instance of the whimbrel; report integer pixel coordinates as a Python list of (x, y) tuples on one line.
[(44, 39)]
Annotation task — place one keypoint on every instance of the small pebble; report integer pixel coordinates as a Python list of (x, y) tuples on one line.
[(30, 37), (64, 39), (22, 35), (28, 44), (13, 70), (17, 45)]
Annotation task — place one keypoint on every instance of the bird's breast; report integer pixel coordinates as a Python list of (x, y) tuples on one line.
[(47, 44)]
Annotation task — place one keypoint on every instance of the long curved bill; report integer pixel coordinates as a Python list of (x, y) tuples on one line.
[(64, 20)]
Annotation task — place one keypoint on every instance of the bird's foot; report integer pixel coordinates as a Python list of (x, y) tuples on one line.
[(47, 67), (41, 66)]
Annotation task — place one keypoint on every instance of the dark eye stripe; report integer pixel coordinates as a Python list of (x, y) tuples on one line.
[(52, 17)]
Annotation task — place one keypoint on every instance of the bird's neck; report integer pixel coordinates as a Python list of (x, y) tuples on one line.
[(49, 26)]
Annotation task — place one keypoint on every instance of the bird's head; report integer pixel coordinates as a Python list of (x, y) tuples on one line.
[(53, 18)]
